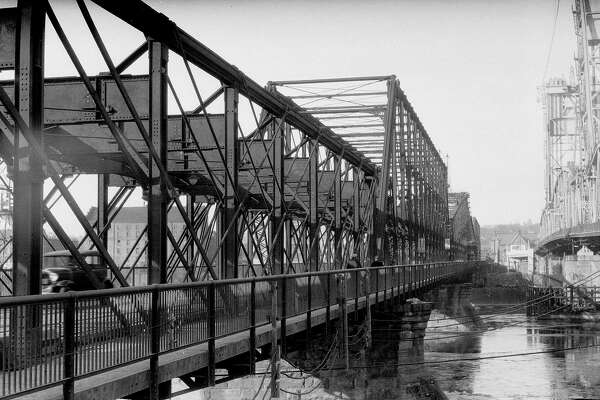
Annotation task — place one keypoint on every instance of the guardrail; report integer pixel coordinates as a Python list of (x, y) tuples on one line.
[(543, 301), (55, 339)]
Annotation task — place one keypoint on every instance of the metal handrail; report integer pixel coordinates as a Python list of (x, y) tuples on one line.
[(76, 335), (40, 298)]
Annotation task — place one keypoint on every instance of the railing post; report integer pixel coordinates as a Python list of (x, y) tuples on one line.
[(392, 286), (411, 280), (343, 318), (385, 272), (356, 294), (252, 326), (404, 281), (69, 355), (309, 308), (377, 287), (368, 306), (328, 308), (275, 358), (211, 333), (154, 344)]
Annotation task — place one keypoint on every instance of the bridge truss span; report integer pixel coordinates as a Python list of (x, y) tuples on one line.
[(262, 183), (374, 116)]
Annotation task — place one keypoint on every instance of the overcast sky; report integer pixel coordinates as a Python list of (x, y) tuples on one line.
[(470, 68)]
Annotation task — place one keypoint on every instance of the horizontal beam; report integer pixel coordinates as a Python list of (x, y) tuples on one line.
[(334, 80), (334, 95), (356, 126)]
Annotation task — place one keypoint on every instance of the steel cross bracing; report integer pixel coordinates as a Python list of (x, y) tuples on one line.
[(374, 116), (263, 184), (571, 217)]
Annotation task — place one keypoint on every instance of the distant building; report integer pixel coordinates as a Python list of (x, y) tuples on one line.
[(519, 254), (125, 230)]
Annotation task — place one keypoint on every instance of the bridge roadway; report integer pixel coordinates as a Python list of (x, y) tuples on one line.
[(102, 344)]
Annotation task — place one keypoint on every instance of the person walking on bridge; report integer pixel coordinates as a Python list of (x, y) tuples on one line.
[(353, 262)]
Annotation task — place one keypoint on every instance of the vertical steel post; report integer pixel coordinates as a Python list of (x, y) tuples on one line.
[(157, 190), (28, 175), (103, 210), (191, 211), (313, 229), (368, 306), (401, 145), (275, 355), (276, 231), (388, 149), (338, 213), (357, 180), (374, 230), (230, 248)]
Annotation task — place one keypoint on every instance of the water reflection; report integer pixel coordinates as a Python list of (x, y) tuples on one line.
[(556, 374)]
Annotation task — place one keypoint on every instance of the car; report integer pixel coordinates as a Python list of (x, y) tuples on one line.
[(61, 273)]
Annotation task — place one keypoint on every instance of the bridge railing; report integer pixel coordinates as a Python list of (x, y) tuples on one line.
[(49, 340), (543, 301)]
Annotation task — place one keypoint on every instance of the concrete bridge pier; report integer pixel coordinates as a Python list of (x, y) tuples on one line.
[(398, 335), (452, 299)]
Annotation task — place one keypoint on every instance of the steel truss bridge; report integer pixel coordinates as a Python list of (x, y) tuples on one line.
[(571, 217), (277, 187)]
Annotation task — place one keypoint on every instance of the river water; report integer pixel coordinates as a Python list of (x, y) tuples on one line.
[(465, 366), (554, 373)]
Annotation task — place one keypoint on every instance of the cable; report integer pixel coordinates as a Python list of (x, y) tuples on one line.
[(375, 365), (302, 393), (262, 382), (323, 362), (490, 316), (551, 41)]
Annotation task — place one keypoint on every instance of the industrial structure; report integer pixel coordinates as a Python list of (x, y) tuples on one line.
[(571, 218), (275, 188)]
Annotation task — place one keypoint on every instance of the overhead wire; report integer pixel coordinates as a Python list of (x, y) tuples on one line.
[(460, 359)]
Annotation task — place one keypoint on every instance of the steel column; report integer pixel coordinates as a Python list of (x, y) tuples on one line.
[(337, 223), (191, 212), (230, 247), (103, 208), (357, 180), (313, 199), (28, 175), (157, 193)]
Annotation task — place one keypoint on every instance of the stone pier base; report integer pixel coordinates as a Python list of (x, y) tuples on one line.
[(453, 300)]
